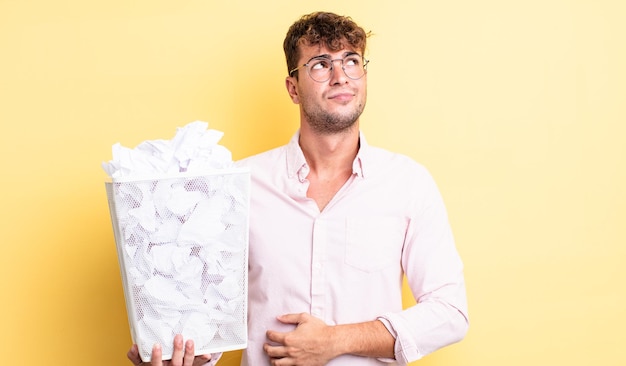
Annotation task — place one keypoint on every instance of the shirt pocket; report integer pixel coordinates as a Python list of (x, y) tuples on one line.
[(374, 243)]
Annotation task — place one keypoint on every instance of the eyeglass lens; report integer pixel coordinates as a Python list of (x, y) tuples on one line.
[(320, 68)]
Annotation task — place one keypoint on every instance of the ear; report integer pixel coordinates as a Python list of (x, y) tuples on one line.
[(292, 89)]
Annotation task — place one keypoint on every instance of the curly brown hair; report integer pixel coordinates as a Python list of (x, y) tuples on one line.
[(326, 29)]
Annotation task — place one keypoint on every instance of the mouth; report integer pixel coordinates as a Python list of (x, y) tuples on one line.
[(343, 96)]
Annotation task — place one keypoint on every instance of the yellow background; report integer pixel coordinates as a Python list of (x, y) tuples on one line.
[(518, 108)]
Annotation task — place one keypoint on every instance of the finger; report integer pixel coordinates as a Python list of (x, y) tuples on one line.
[(291, 318), (275, 351), (281, 362), (201, 360), (275, 336), (133, 355), (178, 353), (157, 355), (189, 353)]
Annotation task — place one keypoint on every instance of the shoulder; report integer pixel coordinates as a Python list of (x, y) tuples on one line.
[(389, 162), (267, 157), (398, 172)]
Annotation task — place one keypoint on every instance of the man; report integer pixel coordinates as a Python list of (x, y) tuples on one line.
[(336, 223)]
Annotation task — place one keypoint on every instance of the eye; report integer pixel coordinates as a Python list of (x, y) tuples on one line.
[(319, 64), (352, 60)]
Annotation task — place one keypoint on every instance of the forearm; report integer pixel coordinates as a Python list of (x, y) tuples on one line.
[(425, 328), (368, 339), (313, 342)]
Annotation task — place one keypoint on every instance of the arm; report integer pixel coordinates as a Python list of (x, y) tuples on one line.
[(315, 343), (434, 271)]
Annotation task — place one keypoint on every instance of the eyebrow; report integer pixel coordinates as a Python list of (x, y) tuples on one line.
[(327, 56)]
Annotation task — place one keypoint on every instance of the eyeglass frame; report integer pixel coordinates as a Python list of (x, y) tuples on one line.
[(332, 66)]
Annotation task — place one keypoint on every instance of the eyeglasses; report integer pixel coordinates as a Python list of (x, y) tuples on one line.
[(320, 68)]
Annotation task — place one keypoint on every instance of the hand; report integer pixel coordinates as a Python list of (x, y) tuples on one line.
[(179, 357), (310, 344)]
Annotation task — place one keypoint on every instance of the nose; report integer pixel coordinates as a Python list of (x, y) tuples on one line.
[(338, 74)]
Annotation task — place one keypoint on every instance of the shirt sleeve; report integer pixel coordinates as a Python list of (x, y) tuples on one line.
[(434, 272)]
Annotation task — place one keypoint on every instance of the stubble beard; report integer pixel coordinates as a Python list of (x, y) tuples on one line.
[(324, 122)]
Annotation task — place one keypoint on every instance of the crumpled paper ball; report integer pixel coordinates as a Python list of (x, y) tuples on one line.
[(193, 148)]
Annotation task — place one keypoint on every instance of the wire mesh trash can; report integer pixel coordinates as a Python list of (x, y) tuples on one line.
[(182, 246)]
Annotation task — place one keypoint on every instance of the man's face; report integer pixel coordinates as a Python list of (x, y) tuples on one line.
[(331, 106)]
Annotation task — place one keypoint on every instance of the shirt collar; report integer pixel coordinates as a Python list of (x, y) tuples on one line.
[(297, 166)]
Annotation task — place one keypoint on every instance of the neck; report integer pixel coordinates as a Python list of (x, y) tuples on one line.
[(330, 158), (330, 154)]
